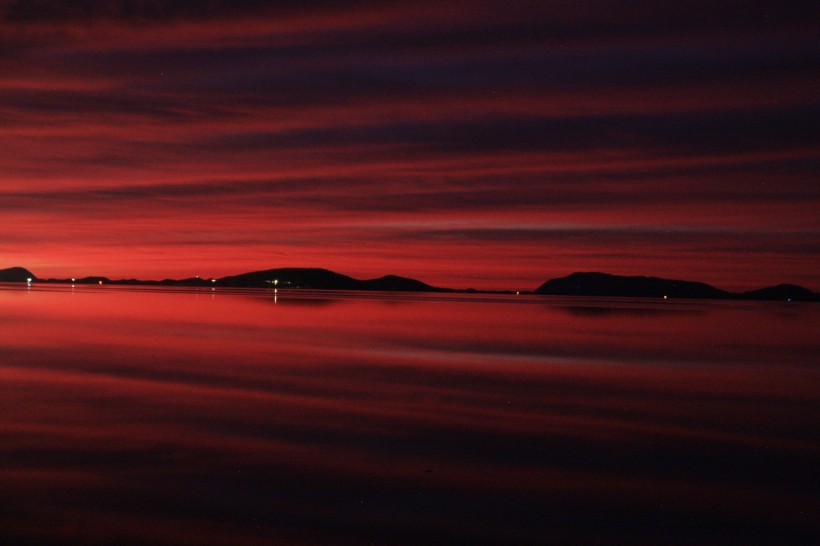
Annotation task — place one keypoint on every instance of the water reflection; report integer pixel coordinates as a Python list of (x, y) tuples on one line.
[(162, 416), (613, 310)]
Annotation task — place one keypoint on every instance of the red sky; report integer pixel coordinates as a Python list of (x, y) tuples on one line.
[(466, 144)]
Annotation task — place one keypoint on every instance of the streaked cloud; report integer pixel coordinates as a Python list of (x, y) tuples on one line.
[(319, 134)]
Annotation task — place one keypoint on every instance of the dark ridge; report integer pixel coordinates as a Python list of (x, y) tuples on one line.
[(291, 277), (604, 284), (191, 281), (321, 279), (93, 280), (400, 284), (16, 274), (576, 284), (787, 292)]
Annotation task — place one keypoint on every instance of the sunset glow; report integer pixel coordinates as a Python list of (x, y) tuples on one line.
[(484, 144)]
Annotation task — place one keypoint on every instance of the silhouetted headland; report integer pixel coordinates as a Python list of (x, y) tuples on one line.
[(576, 284), (604, 284), (292, 277), (322, 279), (16, 274), (782, 292)]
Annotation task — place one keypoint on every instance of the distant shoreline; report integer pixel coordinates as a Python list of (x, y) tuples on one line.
[(576, 284)]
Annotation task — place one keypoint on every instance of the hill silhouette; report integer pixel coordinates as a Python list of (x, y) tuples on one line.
[(604, 284), (289, 277), (16, 274), (781, 292), (575, 284), (322, 279)]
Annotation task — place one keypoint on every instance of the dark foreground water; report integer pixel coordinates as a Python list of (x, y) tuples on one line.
[(197, 417)]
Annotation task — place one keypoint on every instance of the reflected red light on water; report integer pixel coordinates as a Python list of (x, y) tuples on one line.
[(305, 417)]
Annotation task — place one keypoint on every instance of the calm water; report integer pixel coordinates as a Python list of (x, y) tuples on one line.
[(198, 417)]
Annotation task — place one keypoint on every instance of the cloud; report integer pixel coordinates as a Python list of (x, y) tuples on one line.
[(220, 122)]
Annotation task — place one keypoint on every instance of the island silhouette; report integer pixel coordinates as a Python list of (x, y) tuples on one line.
[(592, 284), (604, 284), (16, 274)]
